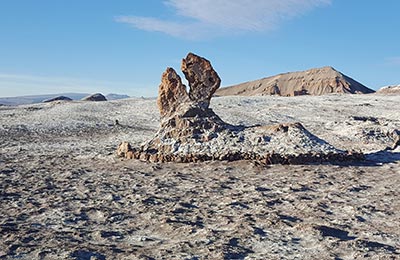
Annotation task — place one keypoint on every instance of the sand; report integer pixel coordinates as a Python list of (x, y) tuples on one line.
[(65, 195)]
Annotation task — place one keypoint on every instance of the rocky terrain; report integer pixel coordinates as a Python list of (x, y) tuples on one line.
[(65, 194), (389, 90), (319, 81)]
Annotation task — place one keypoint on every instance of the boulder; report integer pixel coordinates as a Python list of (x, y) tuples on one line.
[(123, 149), (95, 97)]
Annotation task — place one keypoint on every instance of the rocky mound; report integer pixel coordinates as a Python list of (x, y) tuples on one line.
[(190, 131), (58, 98), (95, 97), (389, 90), (318, 81)]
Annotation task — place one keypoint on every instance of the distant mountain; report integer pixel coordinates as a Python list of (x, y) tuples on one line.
[(317, 81), (113, 96), (24, 100), (389, 90)]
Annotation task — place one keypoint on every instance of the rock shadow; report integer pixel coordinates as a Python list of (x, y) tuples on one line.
[(235, 251), (87, 255), (375, 159), (335, 232)]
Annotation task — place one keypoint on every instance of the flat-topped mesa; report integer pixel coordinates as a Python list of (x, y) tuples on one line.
[(203, 79), (190, 131)]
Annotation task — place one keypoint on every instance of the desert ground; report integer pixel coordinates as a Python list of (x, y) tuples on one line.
[(65, 195)]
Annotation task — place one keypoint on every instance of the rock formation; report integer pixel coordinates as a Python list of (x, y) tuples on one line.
[(95, 97), (202, 78), (58, 98), (171, 93), (389, 90), (318, 81), (190, 131)]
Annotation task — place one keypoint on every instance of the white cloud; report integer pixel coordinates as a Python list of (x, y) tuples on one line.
[(223, 16), (155, 25)]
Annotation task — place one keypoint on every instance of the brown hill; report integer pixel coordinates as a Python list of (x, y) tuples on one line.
[(389, 90), (318, 81)]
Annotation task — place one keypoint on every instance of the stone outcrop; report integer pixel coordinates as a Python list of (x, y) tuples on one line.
[(203, 79), (171, 93), (319, 81), (190, 131), (95, 97)]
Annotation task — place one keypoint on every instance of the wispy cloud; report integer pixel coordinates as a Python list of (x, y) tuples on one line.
[(393, 61), (205, 17), (17, 84), (156, 25)]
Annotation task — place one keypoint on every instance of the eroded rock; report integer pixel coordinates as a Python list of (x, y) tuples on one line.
[(171, 93), (203, 79), (190, 131), (123, 149)]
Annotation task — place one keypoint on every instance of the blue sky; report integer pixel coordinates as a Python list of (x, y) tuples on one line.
[(54, 46)]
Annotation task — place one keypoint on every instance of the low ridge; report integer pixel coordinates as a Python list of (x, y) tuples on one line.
[(389, 90), (318, 81)]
